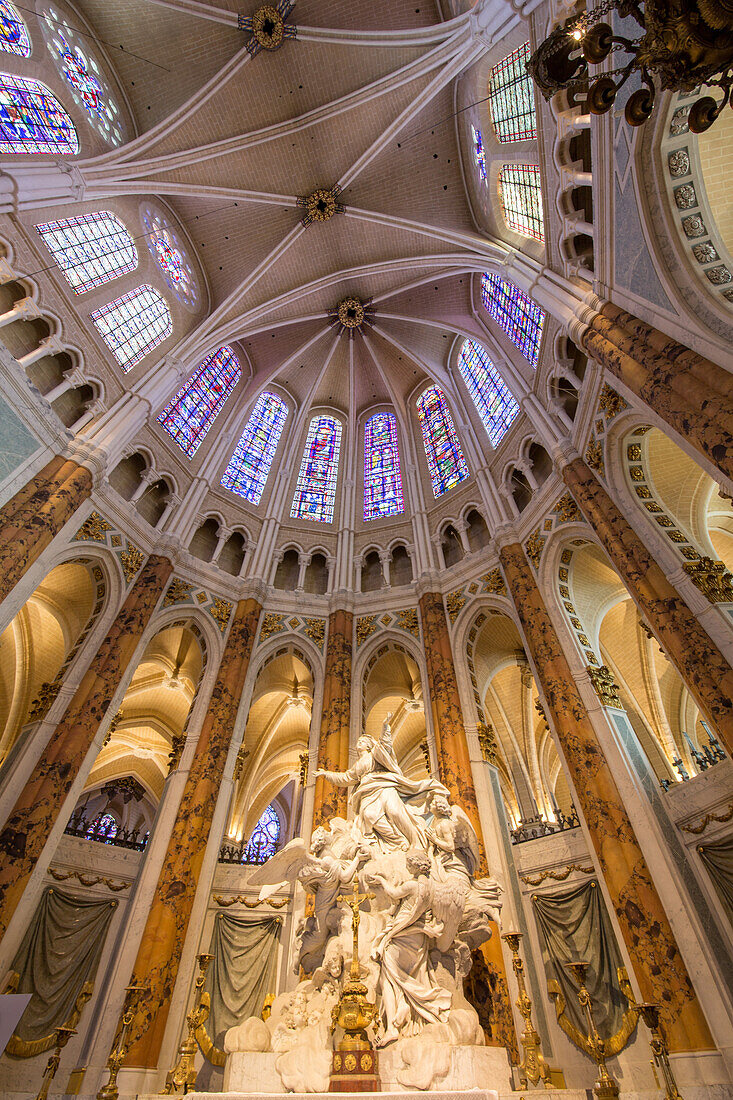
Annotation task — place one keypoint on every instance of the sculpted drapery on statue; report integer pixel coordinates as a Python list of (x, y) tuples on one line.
[(415, 855)]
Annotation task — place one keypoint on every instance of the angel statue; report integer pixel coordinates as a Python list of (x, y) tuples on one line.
[(320, 872), (387, 805)]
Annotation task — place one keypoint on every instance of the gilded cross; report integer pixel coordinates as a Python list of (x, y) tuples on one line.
[(354, 901)]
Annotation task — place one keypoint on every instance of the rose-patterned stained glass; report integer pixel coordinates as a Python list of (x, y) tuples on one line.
[(518, 314), (520, 191), (83, 75), (170, 255), (196, 406), (250, 464), (493, 399), (265, 838), (32, 120), (479, 153), (446, 463), (13, 34), (382, 476), (511, 97), (91, 249), (315, 493), (131, 326)]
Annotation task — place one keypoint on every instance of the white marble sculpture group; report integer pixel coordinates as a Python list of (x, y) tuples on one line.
[(418, 855)]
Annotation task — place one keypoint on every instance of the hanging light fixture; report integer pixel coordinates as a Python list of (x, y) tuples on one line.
[(686, 44)]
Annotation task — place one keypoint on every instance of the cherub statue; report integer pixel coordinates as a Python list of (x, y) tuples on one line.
[(321, 873), (410, 997), (387, 805)]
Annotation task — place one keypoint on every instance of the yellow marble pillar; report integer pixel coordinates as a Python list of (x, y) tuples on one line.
[(35, 515), (159, 954), (657, 962), (454, 766), (333, 744), (695, 655), (39, 803), (693, 394)]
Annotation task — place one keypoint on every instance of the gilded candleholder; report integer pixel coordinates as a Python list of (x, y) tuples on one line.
[(650, 1015), (605, 1087), (63, 1034), (110, 1091), (533, 1068), (183, 1075)]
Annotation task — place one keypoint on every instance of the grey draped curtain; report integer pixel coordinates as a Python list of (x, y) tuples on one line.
[(574, 926), (718, 861), (241, 974), (57, 963)]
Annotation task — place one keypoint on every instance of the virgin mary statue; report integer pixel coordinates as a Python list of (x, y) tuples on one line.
[(388, 807)]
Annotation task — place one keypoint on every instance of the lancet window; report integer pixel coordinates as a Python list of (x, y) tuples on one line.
[(250, 464), (493, 399), (32, 120), (443, 451), (196, 406), (511, 97), (131, 326), (91, 249), (518, 314), (265, 838), (479, 153), (315, 492), (13, 34), (382, 475), (520, 191)]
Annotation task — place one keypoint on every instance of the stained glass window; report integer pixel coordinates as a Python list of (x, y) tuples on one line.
[(382, 477), (170, 255), (90, 249), (492, 397), (13, 34), (196, 406), (479, 154), (131, 326), (104, 827), (520, 191), (83, 75), (315, 493), (511, 97), (265, 838), (32, 120), (250, 464), (443, 451), (517, 313)]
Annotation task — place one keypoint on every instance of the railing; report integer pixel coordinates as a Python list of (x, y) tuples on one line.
[(537, 827), (255, 853), (121, 838), (708, 757)]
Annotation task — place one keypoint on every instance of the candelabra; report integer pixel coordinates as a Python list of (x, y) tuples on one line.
[(605, 1088), (183, 1073), (119, 1043), (63, 1034), (650, 1016), (533, 1068)]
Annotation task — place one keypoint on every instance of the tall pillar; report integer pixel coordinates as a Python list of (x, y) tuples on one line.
[(693, 394), (694, 654), (27, 829), (159, 954), (655, 956), (454, 766), (33, 517), (333, 744)]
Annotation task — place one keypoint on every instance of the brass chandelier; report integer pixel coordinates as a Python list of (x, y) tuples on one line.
[(685, 44)]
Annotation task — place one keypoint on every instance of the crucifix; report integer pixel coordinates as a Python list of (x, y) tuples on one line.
[(354, 903), (354, 1066)]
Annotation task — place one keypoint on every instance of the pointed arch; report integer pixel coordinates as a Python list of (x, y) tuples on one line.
[(131, 326), (188, 417), (90, 250), (32, 120), (249, 467), (315, 492), (443, 451), (494, 401), (511, 97), (382, 476), (520, 192), (516, 313), (13, 32)]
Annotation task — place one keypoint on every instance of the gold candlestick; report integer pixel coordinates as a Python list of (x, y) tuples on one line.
[(119, 1043), (183, 1073), (605, 1087), (354, 1013), (533, 1068), (650, 1015), (63, 1034)]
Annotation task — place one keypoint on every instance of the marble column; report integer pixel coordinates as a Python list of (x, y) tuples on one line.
[(456, 772), (693, 394), (694, 654), (333, 744), (25, 832), (159, 954), (657, 962), (34, 516)]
